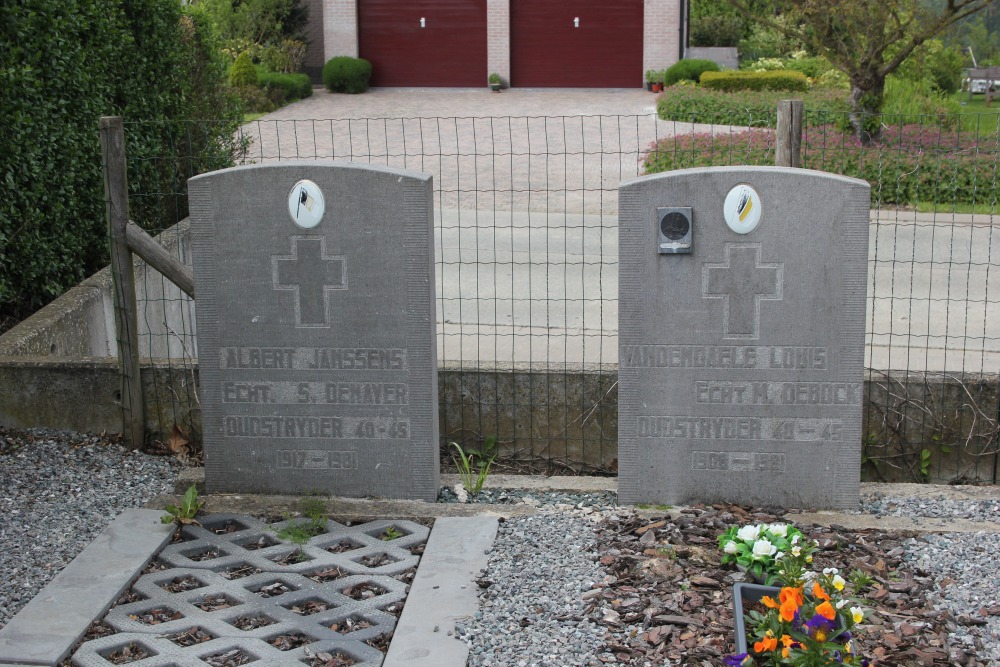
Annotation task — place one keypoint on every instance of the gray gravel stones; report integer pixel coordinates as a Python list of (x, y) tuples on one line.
[(60, 490), (533, 611), (938, 507), (967, 573)]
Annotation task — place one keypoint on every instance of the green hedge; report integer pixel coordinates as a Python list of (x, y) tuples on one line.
[(65, 63), (771, 80), (293, 86), (347, 75), (690, 70), (754, 108), (910, 164)]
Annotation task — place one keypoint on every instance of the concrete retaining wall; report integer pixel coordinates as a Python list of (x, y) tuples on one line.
[(538, 413), (57, 371)]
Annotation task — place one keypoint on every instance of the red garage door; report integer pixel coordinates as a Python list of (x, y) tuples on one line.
[(424, 42), (584, 43)]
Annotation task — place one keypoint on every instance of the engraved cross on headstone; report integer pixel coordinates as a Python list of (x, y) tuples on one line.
[(742, 282), (310, 273)]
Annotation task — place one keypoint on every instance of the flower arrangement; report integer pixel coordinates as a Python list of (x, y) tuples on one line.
[(770, 553), (808, 625)]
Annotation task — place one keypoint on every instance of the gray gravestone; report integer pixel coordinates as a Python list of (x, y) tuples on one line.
[(741, 324), (315, 314)]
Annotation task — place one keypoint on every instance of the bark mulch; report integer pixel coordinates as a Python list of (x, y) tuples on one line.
[(666, 599)]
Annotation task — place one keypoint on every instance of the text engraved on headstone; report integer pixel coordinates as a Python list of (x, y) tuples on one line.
[(309, 273), (742, 282)]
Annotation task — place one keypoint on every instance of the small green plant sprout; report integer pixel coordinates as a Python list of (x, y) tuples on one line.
[(860, 580), (184, 515), (925, 464), (313, 522), (390, 534), (474, 464)]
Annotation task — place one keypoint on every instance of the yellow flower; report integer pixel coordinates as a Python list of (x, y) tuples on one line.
[(838, 582), (857, 614)]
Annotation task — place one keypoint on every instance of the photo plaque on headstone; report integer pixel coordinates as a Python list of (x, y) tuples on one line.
[(740, 365), (316, 329)]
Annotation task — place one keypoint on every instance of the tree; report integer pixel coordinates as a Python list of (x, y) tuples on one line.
[(866, 40)]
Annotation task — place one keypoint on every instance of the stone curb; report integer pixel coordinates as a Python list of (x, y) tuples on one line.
[(443, 592), (47, 629)]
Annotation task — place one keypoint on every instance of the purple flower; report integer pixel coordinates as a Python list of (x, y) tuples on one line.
[(735, 660), (819, 627)]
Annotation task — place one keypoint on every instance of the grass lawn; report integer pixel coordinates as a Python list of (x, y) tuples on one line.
[(977, 104), (985, 208), (248, 117)]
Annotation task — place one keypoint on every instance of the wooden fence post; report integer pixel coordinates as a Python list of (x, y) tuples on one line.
[(123, 280), (788, 140)]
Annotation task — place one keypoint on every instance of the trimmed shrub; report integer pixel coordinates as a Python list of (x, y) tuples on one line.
[(911, 163), (688, 69), (344, 74), (64, 64), (772, 80), (293, 86), (753, 108), (243, 72)]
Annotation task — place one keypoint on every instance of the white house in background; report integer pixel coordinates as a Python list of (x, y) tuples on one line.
[(529, 43)]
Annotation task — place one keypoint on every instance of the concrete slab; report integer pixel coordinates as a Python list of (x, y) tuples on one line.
[(442, 592), (45, 631)]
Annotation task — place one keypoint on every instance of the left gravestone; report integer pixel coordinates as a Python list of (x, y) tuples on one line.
[(315, 315)]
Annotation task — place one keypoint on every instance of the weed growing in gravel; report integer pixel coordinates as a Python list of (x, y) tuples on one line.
[(184, 515), (313, 524), (390, 534), (474, 464)]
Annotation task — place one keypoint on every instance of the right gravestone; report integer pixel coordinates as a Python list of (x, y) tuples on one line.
[(741, 325)]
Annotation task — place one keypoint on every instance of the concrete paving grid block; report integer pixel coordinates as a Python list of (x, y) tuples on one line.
[(255, 544)]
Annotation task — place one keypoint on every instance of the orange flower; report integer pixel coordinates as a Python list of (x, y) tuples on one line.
[(788, 609), (769, 602), (818, 591), (766, 644), (788, 642), (827, 611), (790, 593)]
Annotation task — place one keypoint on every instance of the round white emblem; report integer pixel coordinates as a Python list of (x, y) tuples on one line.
[(742, 209), (306, 204)]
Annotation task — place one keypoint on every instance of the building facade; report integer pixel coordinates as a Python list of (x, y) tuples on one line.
[(529, 43)]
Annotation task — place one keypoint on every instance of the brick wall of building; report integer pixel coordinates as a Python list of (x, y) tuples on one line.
[(340, 28), (498, 38), (339, 20), (661, 35)]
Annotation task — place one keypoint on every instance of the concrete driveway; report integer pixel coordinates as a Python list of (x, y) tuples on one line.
[(526, 204)]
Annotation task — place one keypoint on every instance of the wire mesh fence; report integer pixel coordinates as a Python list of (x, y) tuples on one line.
[(527, 268)]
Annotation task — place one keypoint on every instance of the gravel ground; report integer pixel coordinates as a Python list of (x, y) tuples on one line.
[(59, 490)]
